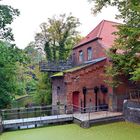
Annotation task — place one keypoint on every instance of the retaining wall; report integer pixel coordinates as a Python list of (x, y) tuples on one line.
[(131, 110)]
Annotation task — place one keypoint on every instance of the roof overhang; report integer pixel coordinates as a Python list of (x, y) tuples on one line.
[(94, 39), (84, 65)]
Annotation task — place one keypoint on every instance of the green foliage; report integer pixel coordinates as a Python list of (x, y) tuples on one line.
[(30, 81), (136, 74), (58, 36), (22, 101), (7, 15), (48, 52), (34, 54), (43, 95), (26, 80), (8, 58), (28, 72), (112, 76), (126, 49)]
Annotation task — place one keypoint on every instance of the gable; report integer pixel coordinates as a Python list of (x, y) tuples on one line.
[(103, 32)]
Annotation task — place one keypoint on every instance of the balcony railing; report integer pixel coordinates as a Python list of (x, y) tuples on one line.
[(55, 66)]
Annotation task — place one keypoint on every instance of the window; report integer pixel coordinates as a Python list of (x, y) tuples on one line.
[(81, 56), (89, 53)]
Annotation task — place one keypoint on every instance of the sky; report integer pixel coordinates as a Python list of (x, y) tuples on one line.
[(35, 12)]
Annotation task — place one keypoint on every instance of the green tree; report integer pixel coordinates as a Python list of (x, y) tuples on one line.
[(30, 80), (34, 53), (9, 55), (126, 49), (57, 36), (7, 15), (136, 74), (43, 95)]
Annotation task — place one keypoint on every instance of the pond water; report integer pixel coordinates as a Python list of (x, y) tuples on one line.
[(113, 131)]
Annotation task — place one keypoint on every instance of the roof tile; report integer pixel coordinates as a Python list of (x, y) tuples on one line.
[(102, 31)]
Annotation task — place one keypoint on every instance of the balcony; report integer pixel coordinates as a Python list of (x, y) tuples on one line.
[(55, 66)]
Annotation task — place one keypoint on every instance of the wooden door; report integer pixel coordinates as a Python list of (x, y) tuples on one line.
[(75, 101)]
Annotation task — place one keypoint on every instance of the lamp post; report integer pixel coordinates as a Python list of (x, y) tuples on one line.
[(84, 93), (58, 95), (96, 90), (58, 100)]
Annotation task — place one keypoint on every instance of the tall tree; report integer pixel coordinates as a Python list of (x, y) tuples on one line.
[(34, 54), (30, 80), (9, 55), (7, 15), (128, 38), (57, 36)]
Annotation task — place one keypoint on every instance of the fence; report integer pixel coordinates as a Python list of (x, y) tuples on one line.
[(131, 111), (19, 113), (41, 115), (91, 112), (134, 94)]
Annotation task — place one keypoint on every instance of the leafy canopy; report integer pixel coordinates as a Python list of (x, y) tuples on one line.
[(9, 55), (7, 15), (58, 36)]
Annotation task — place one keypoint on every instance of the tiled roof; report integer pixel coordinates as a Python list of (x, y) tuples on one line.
[(102, 31), (85, 64)]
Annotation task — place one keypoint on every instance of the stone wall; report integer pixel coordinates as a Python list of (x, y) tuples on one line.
[(58, 91), (131, 110)]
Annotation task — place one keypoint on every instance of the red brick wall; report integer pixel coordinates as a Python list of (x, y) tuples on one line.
[(98, 51), (90, 77), (122, 91)]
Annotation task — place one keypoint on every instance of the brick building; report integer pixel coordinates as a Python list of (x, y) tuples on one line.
[(84, 84)]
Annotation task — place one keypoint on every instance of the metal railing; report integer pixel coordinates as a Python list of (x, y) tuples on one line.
[(134, 94), (87, 113), (55, 65), (91, 112), (30, 112)]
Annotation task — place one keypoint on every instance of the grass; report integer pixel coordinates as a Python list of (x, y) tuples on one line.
[(23, 100), (113, 131), (18, 97)]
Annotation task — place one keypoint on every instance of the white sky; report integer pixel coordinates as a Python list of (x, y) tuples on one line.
[(34, 12)]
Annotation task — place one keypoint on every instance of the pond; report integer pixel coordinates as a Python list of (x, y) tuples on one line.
[(112, 131)]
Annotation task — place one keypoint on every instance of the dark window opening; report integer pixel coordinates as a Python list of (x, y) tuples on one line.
[(81, 56), (89, 53)]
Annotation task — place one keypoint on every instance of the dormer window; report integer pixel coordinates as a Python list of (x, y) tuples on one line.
[(89, 53), (81, 56)]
